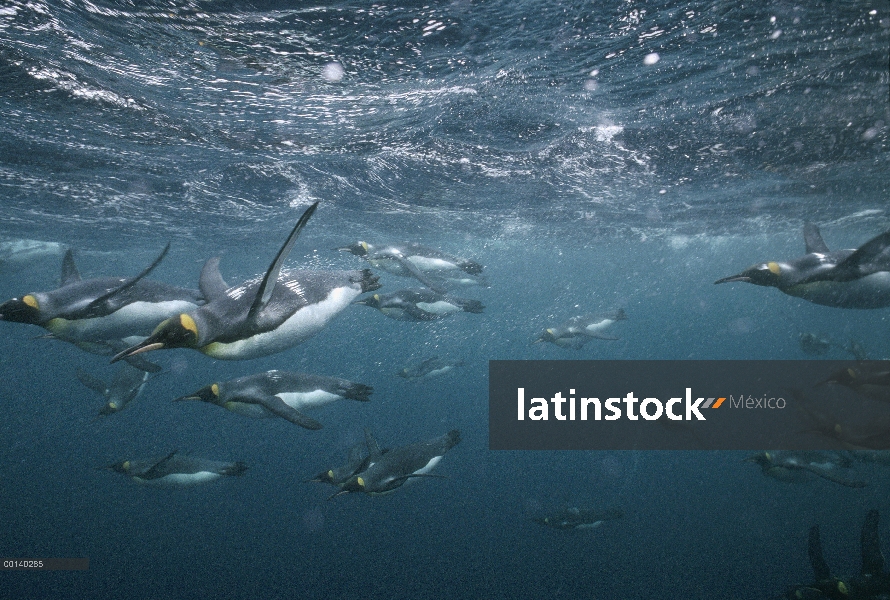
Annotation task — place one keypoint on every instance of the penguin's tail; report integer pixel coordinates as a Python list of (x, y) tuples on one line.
[(368, 281), (472, 306), (358, 391), (452, 439)]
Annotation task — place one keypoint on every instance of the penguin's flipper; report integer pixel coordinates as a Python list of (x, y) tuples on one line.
[(94, 383), (872, 559), (278, 407), (211, 283), (92, 309), (827, 474), (871, 257), (70, 274), (813, 239), (267, 286), (415, 272), (373, 446), (154, 471), (602, 336), (817, 560)]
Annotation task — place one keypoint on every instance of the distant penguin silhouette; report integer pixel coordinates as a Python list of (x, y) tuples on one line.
[(577, 331), (126, 386), (260, 317), (280, 394), (842, 279), (791, 466), (431, 367), (575, 519), (419, 305), (176, 470), (431, 267)]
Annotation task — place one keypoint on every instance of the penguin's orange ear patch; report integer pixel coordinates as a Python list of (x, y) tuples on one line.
[(31, 301), (774, 268)]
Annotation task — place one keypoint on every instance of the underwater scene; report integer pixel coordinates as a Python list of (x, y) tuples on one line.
[(255, 258)]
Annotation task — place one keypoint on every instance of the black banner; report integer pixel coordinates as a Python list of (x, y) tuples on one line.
[(689, 405)]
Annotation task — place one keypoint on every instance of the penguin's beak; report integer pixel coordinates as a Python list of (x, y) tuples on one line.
[(744, 278), (139, 348), (189, 397)]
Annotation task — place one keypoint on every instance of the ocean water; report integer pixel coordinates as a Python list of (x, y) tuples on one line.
[(592, 156)]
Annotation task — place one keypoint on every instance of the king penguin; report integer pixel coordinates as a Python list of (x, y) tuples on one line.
[(391, 470), (358, 459), (280, 394), (96, 310), (176, 470), (577, 331), (419, 305), (841, 279), (260, 317), (428, 265), (430, 367)]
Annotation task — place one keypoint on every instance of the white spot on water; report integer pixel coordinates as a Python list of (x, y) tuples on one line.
[(333, 72), (651, 59)]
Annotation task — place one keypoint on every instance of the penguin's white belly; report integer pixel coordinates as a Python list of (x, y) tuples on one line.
[(301, 400), (429, 466), (440, 307), (180, 479), (299, 327), (598, 327), (425, 263), (135, 319)]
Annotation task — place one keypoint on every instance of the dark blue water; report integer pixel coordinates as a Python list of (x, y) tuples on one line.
[(542, 139)]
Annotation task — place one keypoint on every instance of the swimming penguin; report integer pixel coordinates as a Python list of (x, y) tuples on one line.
[(19, 253), (431, 367), (791, 466), (176, 470), (281, 394), (89, 310), (127, 384), (578, 518), (577, 331), (871, 379), (841, 279), (260, 317), (391, 470), (815, 344), (419, 305), (358, 459), (414, 260)]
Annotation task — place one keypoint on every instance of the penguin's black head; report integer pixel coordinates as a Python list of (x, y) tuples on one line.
[(109, 409), (208, 393), (843, 377), (763, 459), (546, 336), (21, 310), (120, 467), (767, 274), (358, 248), (324, 477), (372, 301), (178, 332), (353, 485)]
